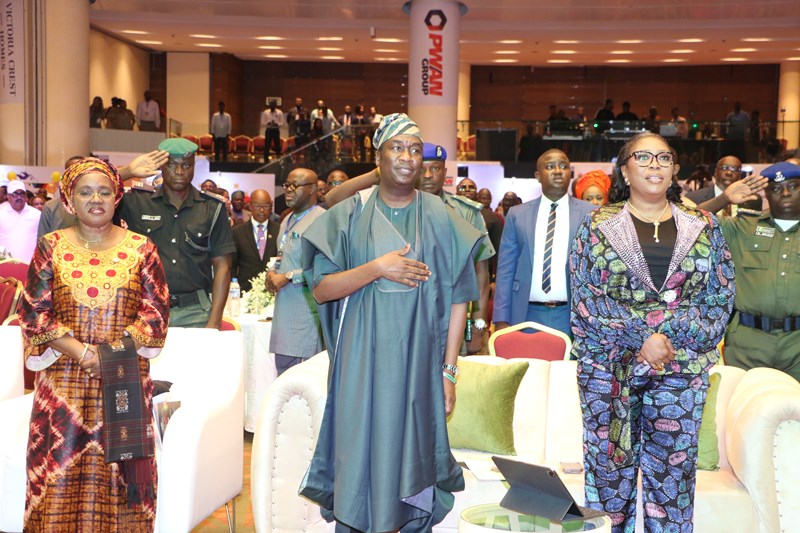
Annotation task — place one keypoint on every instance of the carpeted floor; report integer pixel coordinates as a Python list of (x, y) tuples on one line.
[(218, 522)]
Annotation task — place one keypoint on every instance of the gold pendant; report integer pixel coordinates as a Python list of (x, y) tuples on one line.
[(655, 233)]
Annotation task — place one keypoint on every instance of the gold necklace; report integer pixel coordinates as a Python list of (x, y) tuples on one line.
[(655, 222), (87, 242)]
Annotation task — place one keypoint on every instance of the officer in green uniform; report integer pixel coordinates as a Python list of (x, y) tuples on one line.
[(193, 235), (765, 330), (434, 172)]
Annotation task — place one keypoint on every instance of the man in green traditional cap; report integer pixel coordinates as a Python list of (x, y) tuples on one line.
[(193, 235), (393, 268)]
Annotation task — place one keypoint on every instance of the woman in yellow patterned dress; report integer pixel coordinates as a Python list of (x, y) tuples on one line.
[(88, 285)]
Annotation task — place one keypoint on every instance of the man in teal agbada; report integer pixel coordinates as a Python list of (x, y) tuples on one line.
[(394, 270)]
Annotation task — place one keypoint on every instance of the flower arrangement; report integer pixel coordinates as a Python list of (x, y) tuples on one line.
[(257, 300)]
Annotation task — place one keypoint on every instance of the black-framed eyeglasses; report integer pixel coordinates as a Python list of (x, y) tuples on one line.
[(729, 168), (19, 193), (462, 188), (293, 186), (643, 158)]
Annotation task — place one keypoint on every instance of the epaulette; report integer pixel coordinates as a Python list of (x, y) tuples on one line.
[(466, 201), (142, 187), (743, 211), (215, 196)]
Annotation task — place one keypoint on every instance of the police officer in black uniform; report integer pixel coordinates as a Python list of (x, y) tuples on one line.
[(193, 235)]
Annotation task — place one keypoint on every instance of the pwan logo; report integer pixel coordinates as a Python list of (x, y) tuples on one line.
[(432, 72)]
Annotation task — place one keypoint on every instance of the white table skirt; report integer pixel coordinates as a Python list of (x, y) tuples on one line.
[(259, 369)]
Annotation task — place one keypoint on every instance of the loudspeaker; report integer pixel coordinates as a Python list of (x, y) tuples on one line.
[(495, 144)]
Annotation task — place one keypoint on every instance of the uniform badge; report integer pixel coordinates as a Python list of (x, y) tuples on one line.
[(151, 217), (762, 231), (439, 151), (779, 177)]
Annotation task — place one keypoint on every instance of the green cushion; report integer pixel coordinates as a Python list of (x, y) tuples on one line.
[(708, 448), (484, 413)]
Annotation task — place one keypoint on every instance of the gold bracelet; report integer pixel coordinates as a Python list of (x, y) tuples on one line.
[(83, 355)]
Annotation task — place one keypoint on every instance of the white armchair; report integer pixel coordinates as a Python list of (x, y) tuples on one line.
[(11, 375), (200, 464)]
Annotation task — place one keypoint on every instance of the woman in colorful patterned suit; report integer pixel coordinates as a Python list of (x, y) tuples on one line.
[(652, 291), (89, 285)]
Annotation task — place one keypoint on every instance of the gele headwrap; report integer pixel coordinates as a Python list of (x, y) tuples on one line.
[(596, 178), (85, 166)]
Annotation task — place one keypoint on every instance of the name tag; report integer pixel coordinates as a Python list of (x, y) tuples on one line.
[(761, 231), (151, 217)]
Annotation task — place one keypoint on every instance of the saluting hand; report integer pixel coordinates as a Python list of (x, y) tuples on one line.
[(396, 267), (745, 189), (147, 165)]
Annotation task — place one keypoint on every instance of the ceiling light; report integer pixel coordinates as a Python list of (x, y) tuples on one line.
[(276, 56), (510, 41), (149, 42), (505, 60), (136, 32), (756, 39), (682, 51), (621, 52), (562, 41), (209, 45), (202, 36), (330, 38), (691, 40), (733, 59), (387, 50), (743, 50), (618, 60), (269, 38), (387, 59), (793, 59), (673, 60), (559, 61), (329, 49), (331, 57), (507, 52), (270, 47), (630, 41), (387, 40), (563, 52)]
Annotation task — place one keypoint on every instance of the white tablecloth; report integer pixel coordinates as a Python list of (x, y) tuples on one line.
[(259, 366)]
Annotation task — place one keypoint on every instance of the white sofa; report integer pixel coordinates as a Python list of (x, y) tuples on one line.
[(200, 465), (754, 490)]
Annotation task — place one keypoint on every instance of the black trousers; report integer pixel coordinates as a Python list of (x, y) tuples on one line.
[(273, 142), (221, 146)]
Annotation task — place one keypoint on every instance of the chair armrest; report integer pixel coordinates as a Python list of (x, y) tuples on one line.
[(283, 444), (15, 417), (762, 437)]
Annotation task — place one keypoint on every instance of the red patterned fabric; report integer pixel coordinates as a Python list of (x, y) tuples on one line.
[(97, 296)]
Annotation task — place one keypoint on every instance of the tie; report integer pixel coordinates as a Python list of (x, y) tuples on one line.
[(262, 241), (548, 248)]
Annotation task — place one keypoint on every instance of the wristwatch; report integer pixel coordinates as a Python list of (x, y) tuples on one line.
[(479, 324), (451, 368), (289, 275)]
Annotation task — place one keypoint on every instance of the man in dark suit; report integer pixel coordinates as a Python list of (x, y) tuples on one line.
[(532, 281), (255, 240), (728, 170)]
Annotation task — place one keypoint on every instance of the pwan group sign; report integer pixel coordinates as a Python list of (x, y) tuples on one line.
[(432, 64), (12, 61)]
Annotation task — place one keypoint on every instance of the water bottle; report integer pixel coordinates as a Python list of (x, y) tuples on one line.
[(235, 298)]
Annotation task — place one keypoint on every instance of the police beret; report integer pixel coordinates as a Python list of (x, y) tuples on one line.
[(178, 147), (433, 152), (781, 171)]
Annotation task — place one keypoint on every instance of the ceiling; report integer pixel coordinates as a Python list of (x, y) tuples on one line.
[(514, 32)]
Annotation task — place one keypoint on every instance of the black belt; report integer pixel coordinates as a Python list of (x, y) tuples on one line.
[(765, 323), (549, 304), (183, 300)]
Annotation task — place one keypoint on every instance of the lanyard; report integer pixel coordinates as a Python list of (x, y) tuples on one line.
[(293, 223)]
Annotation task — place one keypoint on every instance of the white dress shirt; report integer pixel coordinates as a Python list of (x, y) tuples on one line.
[(148, 112), (561, 244), (18, 230), (220, 124), (268, 116)]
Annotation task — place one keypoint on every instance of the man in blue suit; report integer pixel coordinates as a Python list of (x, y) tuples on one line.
[(532, 279)]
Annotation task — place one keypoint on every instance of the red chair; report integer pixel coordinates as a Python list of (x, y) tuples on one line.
[(11, 268), (10, 293), (229, 324), (259, 142), (242, 145), (191, 138), (470, 149), (546, 343), (205, 143)]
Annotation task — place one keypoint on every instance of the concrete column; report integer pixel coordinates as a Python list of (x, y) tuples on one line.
[(789, 103), (464, 95), (433, 69), (64, 78)]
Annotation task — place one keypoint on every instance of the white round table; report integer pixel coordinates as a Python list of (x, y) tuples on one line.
[(492, 517), (259, 369)]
